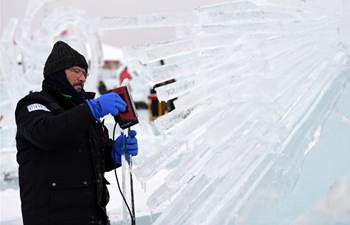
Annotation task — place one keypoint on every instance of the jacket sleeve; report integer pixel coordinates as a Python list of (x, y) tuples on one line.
[(47, 131)]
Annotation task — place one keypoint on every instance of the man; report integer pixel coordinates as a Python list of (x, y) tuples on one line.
[(64, 149)]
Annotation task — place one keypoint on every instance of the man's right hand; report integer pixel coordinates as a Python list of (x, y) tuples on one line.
[(110, 103)]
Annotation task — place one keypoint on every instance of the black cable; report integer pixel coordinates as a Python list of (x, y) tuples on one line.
[(115, 125), (126, 203), (120, 190)]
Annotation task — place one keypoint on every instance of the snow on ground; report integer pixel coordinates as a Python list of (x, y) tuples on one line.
[(10, 206)]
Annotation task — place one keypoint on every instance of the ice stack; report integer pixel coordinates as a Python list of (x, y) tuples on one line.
[(253, 80)]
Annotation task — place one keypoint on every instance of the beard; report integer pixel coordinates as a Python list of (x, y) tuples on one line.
[(78, 86)]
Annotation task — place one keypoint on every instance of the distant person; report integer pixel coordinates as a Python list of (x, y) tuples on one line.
[(158, 108), (124, 75), (1, 119), (63, 150), (102, 89)]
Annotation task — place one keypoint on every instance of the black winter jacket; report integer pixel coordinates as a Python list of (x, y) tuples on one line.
[(62, 156)]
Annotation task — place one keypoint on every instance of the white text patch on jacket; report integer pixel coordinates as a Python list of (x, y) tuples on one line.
[(37, 106)]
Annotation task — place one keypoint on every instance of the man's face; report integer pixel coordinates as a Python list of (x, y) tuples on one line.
[(76, 77)]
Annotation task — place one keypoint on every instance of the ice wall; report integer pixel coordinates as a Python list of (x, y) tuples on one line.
[(255, 82)]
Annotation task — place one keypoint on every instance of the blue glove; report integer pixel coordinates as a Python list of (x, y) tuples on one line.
[(131, 147), (110, 103)]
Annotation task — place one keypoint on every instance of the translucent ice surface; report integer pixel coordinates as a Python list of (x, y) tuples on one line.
[(257, 104)]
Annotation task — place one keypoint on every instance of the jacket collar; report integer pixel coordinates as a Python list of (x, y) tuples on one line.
[(66, 101), (90, 95)]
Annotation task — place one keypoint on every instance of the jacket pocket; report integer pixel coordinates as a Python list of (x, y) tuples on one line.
[(70, 198)]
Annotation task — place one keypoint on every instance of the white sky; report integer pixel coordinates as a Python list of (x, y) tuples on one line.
[(16, 8)]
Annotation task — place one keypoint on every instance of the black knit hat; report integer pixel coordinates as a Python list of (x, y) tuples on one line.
[(62, 57)]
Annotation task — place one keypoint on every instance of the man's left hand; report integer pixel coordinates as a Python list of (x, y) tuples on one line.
[(131, 147)]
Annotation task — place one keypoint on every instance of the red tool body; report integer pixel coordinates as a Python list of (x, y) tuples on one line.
[(129, 117)]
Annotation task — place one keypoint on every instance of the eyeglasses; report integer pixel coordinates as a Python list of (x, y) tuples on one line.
[(79, 71)]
